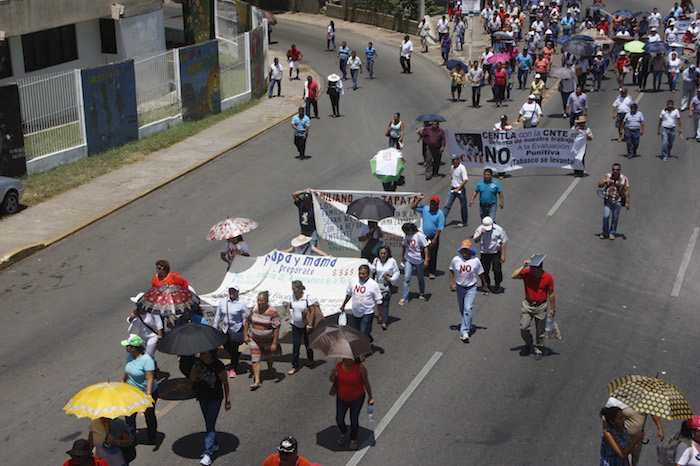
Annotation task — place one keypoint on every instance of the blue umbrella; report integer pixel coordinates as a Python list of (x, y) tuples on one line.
[(452, 63), (657, 47), (560, 40), (623, 13), (430, 117), (583, 37)]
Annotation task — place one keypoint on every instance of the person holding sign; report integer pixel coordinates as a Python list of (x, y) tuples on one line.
[(365, 294), (415, 249), (467, 268), (539, 286)]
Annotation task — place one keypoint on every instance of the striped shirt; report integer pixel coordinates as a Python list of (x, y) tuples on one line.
[(633, 120), (370, 53)]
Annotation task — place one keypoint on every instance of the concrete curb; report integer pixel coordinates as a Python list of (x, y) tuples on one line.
[(21, 253)]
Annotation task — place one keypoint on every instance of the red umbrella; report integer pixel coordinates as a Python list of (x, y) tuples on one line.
[(168, 300), (498, 58), (230, 228)]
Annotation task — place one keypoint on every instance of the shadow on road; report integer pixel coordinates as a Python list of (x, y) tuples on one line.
[(192, 445)]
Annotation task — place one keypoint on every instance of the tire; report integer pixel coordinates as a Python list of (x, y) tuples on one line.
[(10, 205)]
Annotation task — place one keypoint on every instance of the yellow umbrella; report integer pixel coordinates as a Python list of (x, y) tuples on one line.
[(651, 395), (108, 399)]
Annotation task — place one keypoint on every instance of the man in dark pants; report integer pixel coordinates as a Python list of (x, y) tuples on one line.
[(493, 241), (307, 220), (434, 139), (301, 123), (433, 224)]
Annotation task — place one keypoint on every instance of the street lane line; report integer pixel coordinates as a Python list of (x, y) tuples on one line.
[(563, 197), (639, 97), (684, 264), (394, 409)]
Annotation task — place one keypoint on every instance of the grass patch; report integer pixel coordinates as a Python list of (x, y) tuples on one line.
[(52, 140), (43, 186)]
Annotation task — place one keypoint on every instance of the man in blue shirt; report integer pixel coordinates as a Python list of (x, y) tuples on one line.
[(342, 56), (433, 224), (524, 63), (633, 127), (370, 55), (490, 192), (301, 124), (567, 24)]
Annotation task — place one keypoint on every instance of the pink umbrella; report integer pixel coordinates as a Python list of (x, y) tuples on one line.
[(498, 58), (230, 228)]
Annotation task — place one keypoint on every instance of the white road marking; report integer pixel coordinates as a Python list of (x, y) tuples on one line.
[(563, 197), (357, 457), (684, 264), (639, 97)]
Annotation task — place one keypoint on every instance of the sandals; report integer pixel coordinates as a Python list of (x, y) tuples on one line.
[(255, 386), (341, 439)]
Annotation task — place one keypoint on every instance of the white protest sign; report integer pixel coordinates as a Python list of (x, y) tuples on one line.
[(504, 151), (342, 231), (325, 278)]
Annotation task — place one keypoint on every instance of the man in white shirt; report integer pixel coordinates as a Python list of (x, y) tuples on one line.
[(406, 51), (465, 269), (457, 190), (230, 314), (275, 76), (688, 85), (653, 36), (621, 106), (669, 119), (365, 294), (443, 27), (654, 18), (530, 113), (493, 241), (486, 14)]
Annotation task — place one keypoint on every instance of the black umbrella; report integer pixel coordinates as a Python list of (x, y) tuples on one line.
[(561, 39), (623, 13), (430, 117), (597, 6), (191, 338), (583, 38), (451, 64), (580, 48), (642, 14), (370, 208), (657, 47)]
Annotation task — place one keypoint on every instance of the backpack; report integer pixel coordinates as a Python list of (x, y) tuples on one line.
[(666, 450)]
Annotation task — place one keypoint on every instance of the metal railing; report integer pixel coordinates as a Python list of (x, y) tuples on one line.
[(156, 87)]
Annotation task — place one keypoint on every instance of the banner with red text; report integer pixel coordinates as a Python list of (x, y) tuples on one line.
[(342, 231), (504, 151)]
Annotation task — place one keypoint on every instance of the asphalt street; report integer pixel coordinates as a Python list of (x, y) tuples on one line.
[(65, 307)]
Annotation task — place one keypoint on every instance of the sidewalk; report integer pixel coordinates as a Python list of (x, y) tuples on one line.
[(41, 226)]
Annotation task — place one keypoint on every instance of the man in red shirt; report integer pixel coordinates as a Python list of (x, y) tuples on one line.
[(293, 56), (311, 96), (539, 286)]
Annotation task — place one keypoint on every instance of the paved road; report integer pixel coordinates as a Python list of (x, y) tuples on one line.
[(478, 404)]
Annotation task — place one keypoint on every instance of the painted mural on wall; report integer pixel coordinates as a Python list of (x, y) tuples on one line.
[(197, 18), (12, 157), (257, 64), (245, 17), (109, 97), (200, 80)]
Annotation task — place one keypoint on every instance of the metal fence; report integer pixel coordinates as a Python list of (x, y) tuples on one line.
[(234, 64), (51, 112), (156, 87)]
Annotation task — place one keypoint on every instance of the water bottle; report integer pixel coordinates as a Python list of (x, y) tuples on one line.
[(370, 414), (549, 328)]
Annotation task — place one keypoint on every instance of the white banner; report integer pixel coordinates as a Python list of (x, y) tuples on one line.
[(342, 231), (682, 26), (471, 7), (325, 278), (504, 151)]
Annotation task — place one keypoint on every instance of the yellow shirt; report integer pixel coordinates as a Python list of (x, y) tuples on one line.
[(458, 76), (537, 89)]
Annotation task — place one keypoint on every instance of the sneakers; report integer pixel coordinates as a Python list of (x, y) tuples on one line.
[(460, 224), (422, 298), (206, 460), (465, 338), (292, 371), (231, 373), (402, 302)]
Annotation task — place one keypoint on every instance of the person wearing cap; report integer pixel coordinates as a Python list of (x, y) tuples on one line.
[(634, 423), (342, 58), (490, 193), (146, 325), (335, 88), (599, 68), (688, 76), (530, 112), (671, 33), (231, 313), (307, 221), (669, 120), (585, 132), (301, 124), (405, 54), (301, 244), (621, 106), (81, 455), (433, 225), (459, 179), (434, 139), (633, 127), (539, 287), (493, 239), (465, 269), (235, 246), (287, 455), (653, 36), (275, 77), (616, 193), (365, 294), (673, 69), (577, 105), (414, 256), (538, 88), (140, 373), (210, 386), (688, 450), (164, 276)]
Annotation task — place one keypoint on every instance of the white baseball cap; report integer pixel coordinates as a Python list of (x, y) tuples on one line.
[(487, 223)]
